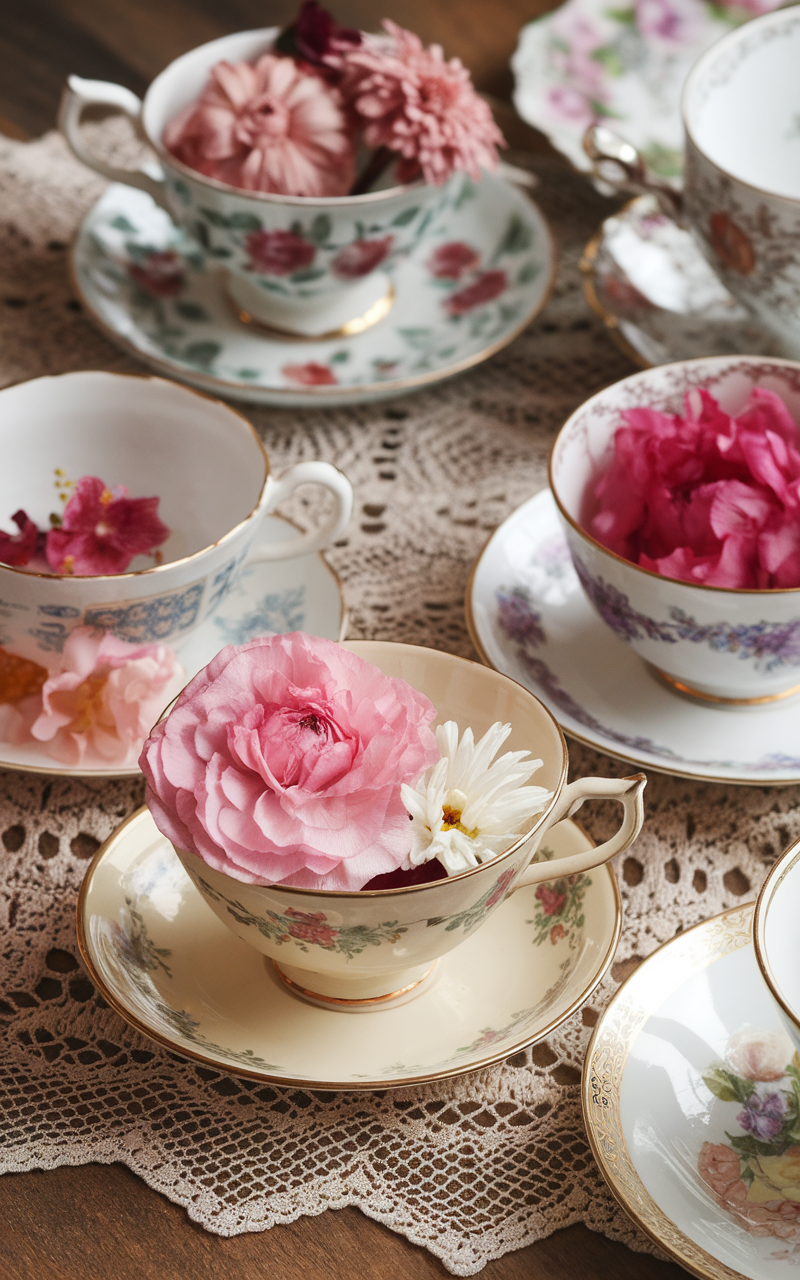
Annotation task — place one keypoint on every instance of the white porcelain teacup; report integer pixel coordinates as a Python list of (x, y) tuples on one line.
[(741, 196), (332, 273), (724, 645), (776, 938), (356, 950), (201, 458)]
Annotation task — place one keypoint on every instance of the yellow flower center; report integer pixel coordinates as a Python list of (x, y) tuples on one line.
[(451, 819)]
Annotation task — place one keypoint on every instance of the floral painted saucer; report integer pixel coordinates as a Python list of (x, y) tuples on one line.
[(481, 273), (171, 968), (590, 61), (303, 594), (529, 618), (647, 279), (691, 1100)]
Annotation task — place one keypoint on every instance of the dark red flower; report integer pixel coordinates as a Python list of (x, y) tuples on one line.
[(159, 273), (18, 548), (552, 902), (102, 530), (309, 375), (316, 38), (488, 286), (310, 926), (361, 257), (451, 261), (731, 245), (278, 253), (500, 888)]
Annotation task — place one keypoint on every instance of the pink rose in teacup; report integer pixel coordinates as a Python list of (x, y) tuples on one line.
[(282, 762)]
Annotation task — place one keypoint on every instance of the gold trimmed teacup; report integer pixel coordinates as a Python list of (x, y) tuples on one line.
[(361, 950), (201, 458)]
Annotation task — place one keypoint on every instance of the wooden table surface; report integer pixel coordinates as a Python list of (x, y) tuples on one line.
[(101, 1221)]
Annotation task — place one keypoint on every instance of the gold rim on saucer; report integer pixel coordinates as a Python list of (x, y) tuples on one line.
[(637, 999)]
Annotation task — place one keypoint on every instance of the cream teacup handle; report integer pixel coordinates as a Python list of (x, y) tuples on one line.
[(617, 164), (315, 539), (80, 94), (629, 793)]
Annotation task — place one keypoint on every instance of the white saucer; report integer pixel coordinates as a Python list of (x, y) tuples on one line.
[(174, 313), (303, 594), (661, 301), (653, 1122), (529, 618), (171, 968)]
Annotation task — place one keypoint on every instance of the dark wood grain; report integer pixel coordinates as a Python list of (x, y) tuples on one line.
[(100, 1222)]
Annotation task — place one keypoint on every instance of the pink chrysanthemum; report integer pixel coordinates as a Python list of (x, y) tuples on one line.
[(267, 127), (416, 104)]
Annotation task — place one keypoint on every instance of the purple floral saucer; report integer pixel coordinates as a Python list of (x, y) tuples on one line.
[(529, 618)]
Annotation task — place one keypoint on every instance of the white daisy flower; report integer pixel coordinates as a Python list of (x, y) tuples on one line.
[(466, 810)]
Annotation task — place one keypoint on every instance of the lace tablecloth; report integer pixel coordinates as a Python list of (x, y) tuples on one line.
[(469, 1168)]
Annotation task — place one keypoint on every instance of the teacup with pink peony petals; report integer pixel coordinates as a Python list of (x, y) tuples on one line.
[(131, 507), (332, 823), (307, 163), (679, 489)]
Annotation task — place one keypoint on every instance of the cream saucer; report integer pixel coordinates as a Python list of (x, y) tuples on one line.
[(666, 1084), (146, 285), (171, 968), (647, 279), (529, 618), (303, 594)]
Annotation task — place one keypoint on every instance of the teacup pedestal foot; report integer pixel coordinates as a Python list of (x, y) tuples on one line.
[(340, 314), (716, 697), (356, 995)]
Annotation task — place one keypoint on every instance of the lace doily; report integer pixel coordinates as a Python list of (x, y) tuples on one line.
[(470, 1168)]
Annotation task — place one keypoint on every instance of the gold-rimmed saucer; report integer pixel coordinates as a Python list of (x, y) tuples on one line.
[(686, 1087), (302, 594), (164, 961)]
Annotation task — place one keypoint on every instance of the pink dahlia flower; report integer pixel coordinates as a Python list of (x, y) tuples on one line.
[(282, 762), (267, 127), (98, 708), (102, 530), (413, 102)]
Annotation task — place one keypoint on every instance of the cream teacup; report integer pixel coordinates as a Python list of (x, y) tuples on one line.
[(356, 950), (741, 196), (310, 266), (201, 458)]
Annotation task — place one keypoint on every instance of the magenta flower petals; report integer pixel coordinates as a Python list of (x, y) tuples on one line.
[(18, 549), (282, 762), (102, 530), (705, 497)]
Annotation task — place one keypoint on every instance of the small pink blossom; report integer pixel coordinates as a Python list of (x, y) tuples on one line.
[(278, 253), (361, 257), (309, 375), (311, 926), (160, 273), (102, 530), (453, 260), (674, 21), (282, 762), (18, 549), (266, 127), (420, 106), (703, 497), (99, 706), (486, 288)]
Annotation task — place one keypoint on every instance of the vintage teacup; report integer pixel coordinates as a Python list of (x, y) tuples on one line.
[(204, 462), (741, 196), (776, 938), (353, 950), (724, 645), (304, 265)]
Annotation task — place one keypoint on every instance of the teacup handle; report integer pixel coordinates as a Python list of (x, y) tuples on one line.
[(80, 94), (315, 539), (618, 165), (629, 793)]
